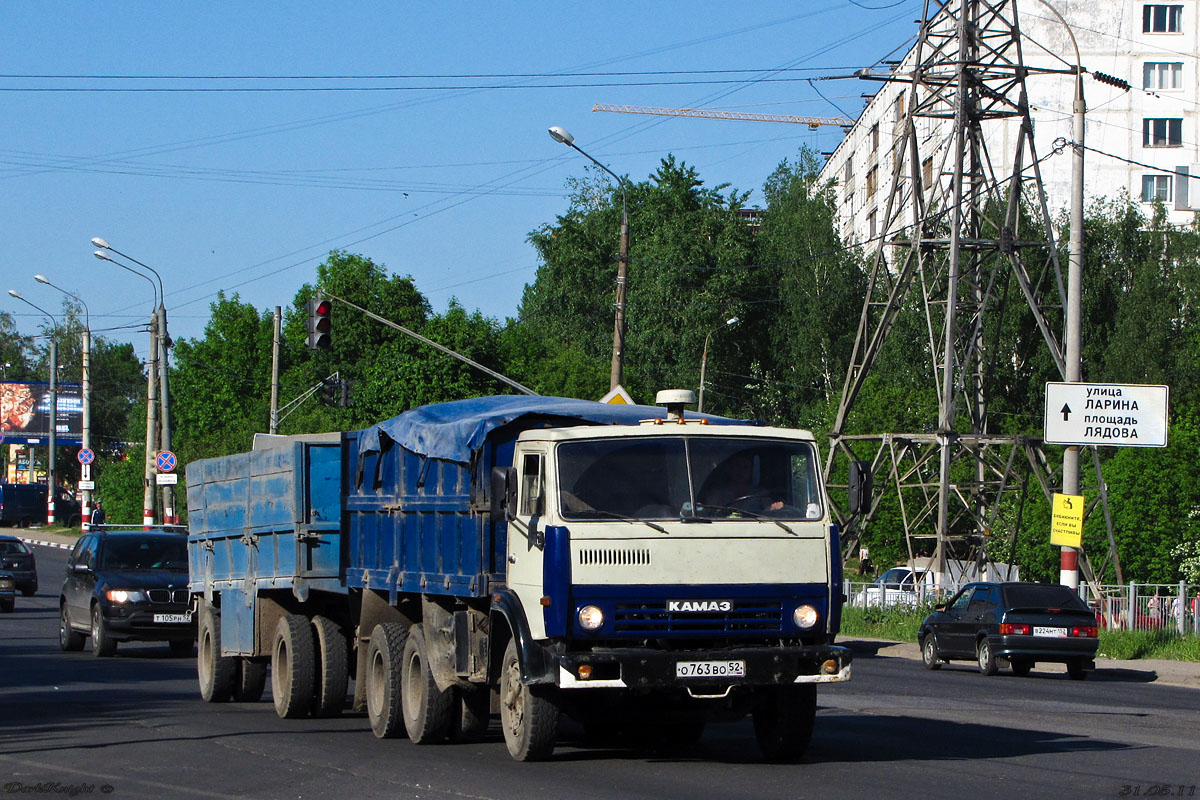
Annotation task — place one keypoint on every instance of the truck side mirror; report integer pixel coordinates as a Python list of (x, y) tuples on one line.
[(861, 484), (504, 492)]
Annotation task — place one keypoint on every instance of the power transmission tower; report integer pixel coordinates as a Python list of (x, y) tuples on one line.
[(961, 228)]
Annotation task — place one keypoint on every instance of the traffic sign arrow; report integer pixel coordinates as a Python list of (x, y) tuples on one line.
[(1066, 412)]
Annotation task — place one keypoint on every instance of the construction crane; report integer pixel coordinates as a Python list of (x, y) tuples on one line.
[(812, 122)]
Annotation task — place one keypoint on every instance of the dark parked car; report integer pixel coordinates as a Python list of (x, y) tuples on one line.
[(128, 585), (8, 592), (17, 557), (1021, 624)]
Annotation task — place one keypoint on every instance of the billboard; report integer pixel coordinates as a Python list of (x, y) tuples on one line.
[(25, 413)]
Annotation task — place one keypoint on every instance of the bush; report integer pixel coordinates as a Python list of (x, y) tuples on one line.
[(1149, 644), (898, 623)]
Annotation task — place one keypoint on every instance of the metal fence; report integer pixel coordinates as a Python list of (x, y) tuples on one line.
[(1134, 606)]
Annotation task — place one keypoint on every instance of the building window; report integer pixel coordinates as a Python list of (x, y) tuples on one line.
[(898, 109), (872, 220), (1162, 75), (872, 181), (875, 137), (1162, 132), (848, 171), (1162, 19), (927, 171), (1157, 187)]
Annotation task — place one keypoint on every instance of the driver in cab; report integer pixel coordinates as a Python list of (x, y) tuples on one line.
[(732, 488)]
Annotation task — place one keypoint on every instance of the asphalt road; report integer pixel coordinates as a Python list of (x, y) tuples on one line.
[(134, 726)]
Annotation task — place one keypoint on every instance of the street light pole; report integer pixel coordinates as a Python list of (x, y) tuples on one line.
[(161, 353), (616, 373), (85, 513), (51, 485), (704, 359), (1072, 365)]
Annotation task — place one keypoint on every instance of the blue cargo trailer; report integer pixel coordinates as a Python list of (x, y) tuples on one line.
[(630, 566)]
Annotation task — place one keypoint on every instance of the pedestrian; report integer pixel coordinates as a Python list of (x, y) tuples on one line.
[(98, 514)]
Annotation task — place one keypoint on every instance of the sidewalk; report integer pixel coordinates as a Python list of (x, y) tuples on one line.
[(1146, 670)]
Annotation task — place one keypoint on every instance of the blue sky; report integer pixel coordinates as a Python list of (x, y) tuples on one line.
[(248, 191)]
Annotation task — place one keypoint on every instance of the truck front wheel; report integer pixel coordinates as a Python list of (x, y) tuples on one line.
[(292, 666), (528, 714), (783, 721), (251, 680), (217, 673), (330, 687), (384, 656), (427, 710)]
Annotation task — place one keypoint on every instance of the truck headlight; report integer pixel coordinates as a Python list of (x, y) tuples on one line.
[(590, 618), (124, 596), (805, 616)]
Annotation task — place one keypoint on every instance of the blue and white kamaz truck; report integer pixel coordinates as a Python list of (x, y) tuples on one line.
[(633, 567)]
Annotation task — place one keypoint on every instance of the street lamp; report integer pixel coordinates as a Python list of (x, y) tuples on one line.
[(1069, 558), (560, 134), (85, 474), (50, 464), (160, 342), (704, 359)]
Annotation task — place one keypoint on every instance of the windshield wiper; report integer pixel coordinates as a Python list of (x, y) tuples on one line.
[(623, 518), (751, 514)]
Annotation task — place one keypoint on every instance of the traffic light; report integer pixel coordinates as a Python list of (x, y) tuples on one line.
[(331, 391), (318, 324)]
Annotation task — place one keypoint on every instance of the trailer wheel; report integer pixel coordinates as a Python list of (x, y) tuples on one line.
[(384, 657), (528, 714), (329, 689), (784, 720), (474, 713), (251, 680), (293, 666), (428, 711), (216, 672)]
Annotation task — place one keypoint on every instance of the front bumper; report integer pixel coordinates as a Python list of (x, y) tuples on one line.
[(136, 623), (637, 668)]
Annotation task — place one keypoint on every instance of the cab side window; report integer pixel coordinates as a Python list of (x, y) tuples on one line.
[(960, 602), (531, 502), (979, 600), (84, 552)]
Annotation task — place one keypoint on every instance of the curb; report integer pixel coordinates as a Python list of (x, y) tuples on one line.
[(57, 545)]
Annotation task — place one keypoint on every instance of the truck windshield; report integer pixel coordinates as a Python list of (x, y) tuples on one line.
[(688, 477)]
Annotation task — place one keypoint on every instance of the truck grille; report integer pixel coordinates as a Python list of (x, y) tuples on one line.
[(168, 595), (615, 556), (653, 619)]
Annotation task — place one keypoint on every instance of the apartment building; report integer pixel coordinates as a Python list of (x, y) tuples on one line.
[(1148, 138)]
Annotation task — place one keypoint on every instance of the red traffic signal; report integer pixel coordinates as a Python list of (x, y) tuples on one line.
[(319, 324)]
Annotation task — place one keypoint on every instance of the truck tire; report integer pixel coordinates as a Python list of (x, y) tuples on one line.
[(385, 654), (784, 720), (293, 666), (216, 672), (251, 680), (528, 714), (103, 645), (329, 688), (474, 713), (69, 639), (428, 711)]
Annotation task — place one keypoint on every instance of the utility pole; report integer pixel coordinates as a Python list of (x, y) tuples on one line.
[(168, 490), (274, 425), (85, 514), (151, 424), (51, 476)]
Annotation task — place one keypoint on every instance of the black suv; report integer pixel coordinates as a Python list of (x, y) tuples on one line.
[(17, 557), (127, 585)]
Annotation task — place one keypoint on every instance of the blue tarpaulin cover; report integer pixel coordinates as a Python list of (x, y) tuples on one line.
[(453, 431)]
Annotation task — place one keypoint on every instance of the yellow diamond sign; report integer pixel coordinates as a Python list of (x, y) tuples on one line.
[(1066, 521)]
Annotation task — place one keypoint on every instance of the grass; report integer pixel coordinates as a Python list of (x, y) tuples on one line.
[(899, 624)]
